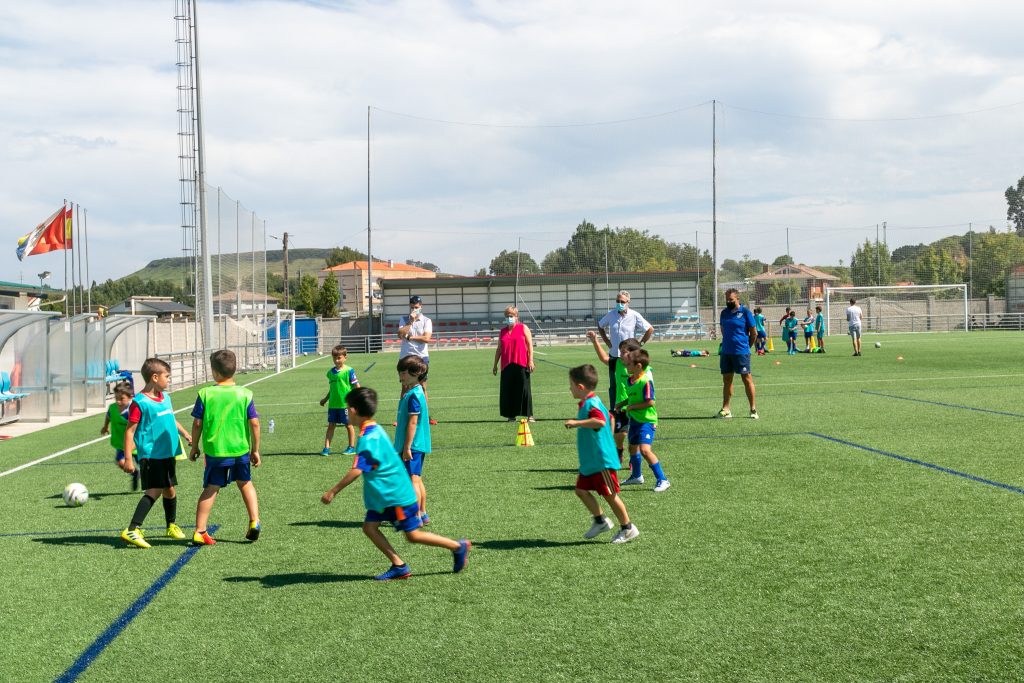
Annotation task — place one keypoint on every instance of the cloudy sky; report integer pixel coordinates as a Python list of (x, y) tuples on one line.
[(493, 122)]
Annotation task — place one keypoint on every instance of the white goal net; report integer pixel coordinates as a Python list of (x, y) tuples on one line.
[(911, 308)]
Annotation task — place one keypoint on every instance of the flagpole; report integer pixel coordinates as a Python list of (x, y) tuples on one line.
[(65, 229), (85, 228), (78, 233)]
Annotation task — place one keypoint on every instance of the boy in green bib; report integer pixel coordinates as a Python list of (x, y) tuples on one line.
[(116, 422), (341, 379), (225, 417)]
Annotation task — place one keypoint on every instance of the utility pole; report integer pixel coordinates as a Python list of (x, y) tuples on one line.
[(284, 247), (878, 257)]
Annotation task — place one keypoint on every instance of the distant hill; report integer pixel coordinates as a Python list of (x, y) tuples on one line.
[(306, 261)]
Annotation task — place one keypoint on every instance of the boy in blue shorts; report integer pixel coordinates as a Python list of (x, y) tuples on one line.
[(412, 431), (760, 326), (643, 421), (598, 461), (808, 324), (116, 422), (387, 490), (225, 418), (156, 435), (789, 331), (341, 379)]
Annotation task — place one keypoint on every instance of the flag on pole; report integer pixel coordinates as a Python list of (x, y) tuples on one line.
[(51, 235)]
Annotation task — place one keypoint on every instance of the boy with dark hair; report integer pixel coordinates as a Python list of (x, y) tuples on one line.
[(618, 389), (412, 429), (594, 446), (116, 422), (341, 379), (153, 430), (789, 329), (643, 420), (387, 490), (690, 353), (819, 328), (761, 327), (225, 417)]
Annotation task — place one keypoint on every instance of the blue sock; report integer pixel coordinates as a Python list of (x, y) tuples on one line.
[(634, 465), (659, 474)]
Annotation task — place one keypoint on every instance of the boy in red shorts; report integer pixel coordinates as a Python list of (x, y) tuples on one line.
[(598, 459)]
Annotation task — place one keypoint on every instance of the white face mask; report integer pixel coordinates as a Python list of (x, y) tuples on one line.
[(510, 321), (415, 311)]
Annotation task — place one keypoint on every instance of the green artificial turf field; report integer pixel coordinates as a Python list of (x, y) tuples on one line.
[(867, 527)]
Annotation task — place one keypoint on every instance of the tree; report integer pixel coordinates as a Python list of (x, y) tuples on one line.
[(307, 294), (505, 263), (341, 255), (871, 265), (783, 260), (1015, 206), (425, 265), (327, 298)]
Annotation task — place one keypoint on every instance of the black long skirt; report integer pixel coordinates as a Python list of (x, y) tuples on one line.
[(516, 397)]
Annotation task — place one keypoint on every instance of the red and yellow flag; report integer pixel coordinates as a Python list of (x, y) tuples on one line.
[(52, 234)]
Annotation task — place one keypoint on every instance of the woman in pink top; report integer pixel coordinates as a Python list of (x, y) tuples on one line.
[(515, 352)]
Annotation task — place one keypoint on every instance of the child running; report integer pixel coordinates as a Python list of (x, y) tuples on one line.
[(412, 433), (341, 379), (643, 421), (618, 390), (594, 446), (225, 417), (153, 430), (115, 424), (387, 490)]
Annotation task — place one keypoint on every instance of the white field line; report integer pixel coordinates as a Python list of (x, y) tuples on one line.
[(104, 438)]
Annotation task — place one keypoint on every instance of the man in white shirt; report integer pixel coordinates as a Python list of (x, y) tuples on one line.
[(853, 318), (415, 331), (623, 323)]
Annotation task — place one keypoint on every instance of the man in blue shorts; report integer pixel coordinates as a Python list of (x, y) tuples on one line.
[(738, 335)]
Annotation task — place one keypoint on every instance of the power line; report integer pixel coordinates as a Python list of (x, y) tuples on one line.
[(642, 117), (924, 117)]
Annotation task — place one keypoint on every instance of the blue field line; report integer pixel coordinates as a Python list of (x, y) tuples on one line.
[(922, 463), (114, 630), (83, 531), (944, 405)]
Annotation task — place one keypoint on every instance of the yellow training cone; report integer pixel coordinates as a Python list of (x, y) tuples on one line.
[(523, 436)]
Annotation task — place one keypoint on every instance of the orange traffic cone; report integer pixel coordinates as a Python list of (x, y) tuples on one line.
[(523, 436)]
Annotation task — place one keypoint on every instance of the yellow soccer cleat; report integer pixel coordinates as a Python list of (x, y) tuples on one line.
[(174, 531), (133, 537)]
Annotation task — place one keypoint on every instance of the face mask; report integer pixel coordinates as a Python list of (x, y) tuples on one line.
[(731, 304), (416, 311), (620, 306), (510, 321)]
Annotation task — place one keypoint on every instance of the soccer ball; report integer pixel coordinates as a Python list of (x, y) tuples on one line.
[(75, 495), (878, 345)]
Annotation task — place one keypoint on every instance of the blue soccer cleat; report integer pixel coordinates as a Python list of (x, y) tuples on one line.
[(402, 572), (461, 555)]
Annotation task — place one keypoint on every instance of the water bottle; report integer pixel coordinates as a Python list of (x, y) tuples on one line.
[(270, 426)]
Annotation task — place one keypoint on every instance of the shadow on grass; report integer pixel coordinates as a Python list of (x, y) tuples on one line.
[(91, 539), (92, 497), (330, 524), (526, 544), (553, 469), (554, 488), (297, 578), (305, 454)]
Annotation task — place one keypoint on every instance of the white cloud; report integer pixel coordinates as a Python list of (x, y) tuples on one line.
[(88, 99)]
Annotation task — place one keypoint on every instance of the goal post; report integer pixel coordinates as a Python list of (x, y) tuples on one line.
[(905, 308)]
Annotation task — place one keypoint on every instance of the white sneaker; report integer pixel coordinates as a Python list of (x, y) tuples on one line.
[(754, 415), (639, 479), (662, 486), (626, 535), (598, 528), (723, 413)]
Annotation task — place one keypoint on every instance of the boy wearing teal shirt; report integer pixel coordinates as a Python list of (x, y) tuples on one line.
[(598, 461), (626, 347), (116, 423), (760, 327), (225, 418), (643, 421), (387, 490), (790, 332), (808, 325), (341, 379), (412, 428), (154, 432), (819, 328)]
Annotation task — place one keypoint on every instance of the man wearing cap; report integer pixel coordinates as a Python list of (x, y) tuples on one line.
[(415, 331)]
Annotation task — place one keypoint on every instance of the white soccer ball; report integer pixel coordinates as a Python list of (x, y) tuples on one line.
[(76, 495), (878, 345)]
